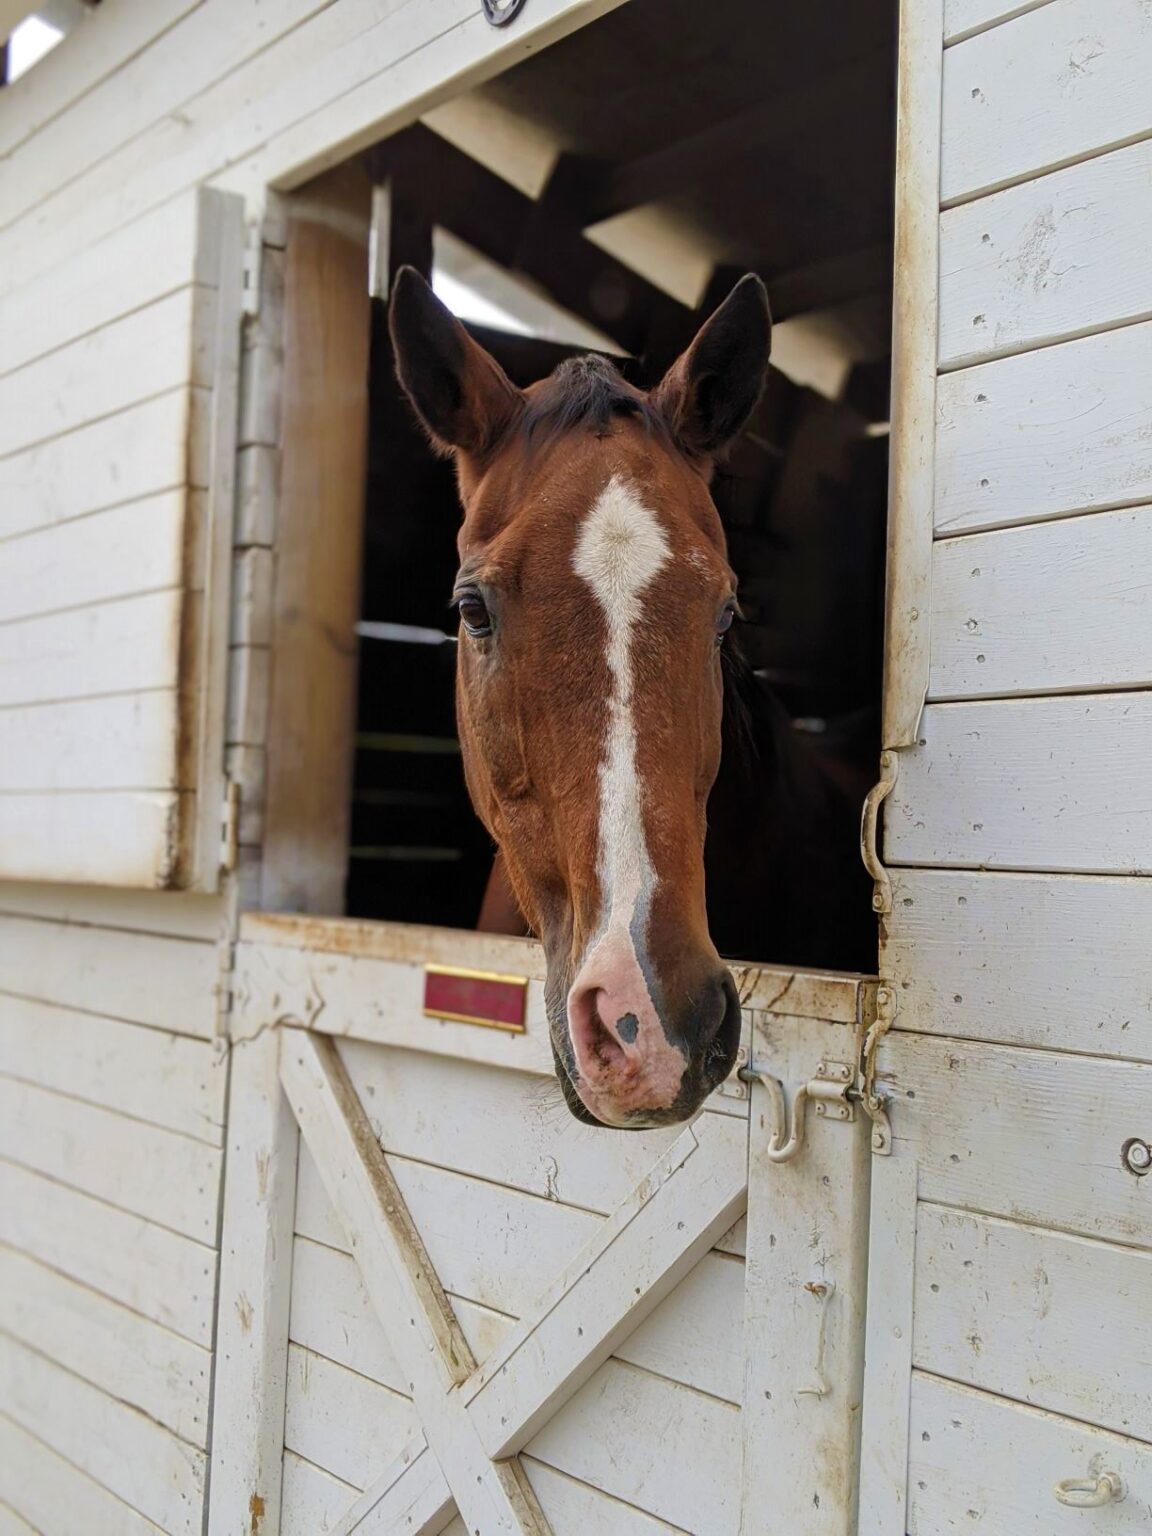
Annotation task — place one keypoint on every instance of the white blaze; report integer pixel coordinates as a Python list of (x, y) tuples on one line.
[(620, 549)]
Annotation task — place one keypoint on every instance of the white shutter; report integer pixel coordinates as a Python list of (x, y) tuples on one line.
[(118, 401)]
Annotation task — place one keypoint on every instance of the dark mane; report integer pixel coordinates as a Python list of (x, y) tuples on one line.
[(586, 392)]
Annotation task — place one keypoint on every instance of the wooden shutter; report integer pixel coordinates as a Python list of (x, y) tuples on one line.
[(118, 399)]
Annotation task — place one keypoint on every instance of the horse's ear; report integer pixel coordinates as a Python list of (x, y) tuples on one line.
[(460, 392), (711, 390)]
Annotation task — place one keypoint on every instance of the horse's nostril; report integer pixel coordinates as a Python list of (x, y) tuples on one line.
[(725, 1040)]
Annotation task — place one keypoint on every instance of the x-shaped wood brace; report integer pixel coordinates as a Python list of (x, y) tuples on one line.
[(476, 1418)]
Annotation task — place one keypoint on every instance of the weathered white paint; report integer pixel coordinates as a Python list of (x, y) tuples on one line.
[(806, 1264), (127, 1356), (1047, 609), (340, 1420), (1026, 1135), (1017, 1310), (161, 1275), (1023, 959), (1046, 433), (159, 1174), (963, 18), (313, 1500), (913, 389), (1057, 257), (135, 1458), (156, 1078), (1020, 1454), (43, 1483), (255, 1278), (1086, 63), (1043, 783)]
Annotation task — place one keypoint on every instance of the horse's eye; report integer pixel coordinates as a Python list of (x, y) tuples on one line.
[(474, 614), (724, 622)]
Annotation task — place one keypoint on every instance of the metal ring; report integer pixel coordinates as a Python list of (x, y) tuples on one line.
[(1090, 1492), (499, 13)]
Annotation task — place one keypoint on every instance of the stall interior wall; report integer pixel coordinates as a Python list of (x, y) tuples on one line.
[(112, 1083), (1019, 831)]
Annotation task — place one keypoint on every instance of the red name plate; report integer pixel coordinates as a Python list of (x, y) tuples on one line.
[(475, 997)]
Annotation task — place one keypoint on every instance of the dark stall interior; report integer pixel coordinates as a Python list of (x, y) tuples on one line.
[(763, 136)]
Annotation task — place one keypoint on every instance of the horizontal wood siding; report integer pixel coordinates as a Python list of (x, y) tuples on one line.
[(1057, 84), (1051, 608), (112, 1100)]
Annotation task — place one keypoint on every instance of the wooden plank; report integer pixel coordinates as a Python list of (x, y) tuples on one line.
[(119, 742), (963, 18), (138, 452), (571, 1505), (167, 913), (50, 1489), (165, 1177), (172, 69), (163, 1276), (113, 972), (93, 52), (152, 350), (1046, 433), (1053, 608), (134, 266), (976, 1458), (499, 1126), (127, 646), (913, 390), (1039, 783), (324, 432), (157, 1078), (1086, 63), (12, 1524), (132, 1359), (133, 1457), (341, 1421), (113, 840), (114, 555), (402, 1281), (883, 1496), (1058, 257), (1012, 1309), (1037, 960), (807, 1262), (255, 1281), (411, 1495), (314, 1500), (688, 1474), (1026, 1135), (332, 1316), (632, 1263)]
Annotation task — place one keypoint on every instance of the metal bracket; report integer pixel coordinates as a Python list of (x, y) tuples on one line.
[(230, 826), (869, 828), (876, 1104), (253, 262)]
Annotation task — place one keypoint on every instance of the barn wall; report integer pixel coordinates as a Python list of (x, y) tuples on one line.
[(1018, 830), (112, 1107)]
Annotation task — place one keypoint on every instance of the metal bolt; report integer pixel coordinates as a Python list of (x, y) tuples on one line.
[(821, 1068), (820, 1109), (1137, 1157)]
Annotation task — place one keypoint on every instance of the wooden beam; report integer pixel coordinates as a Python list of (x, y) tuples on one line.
[(824, 284), (542, 240), (316, 602), (857, 90)]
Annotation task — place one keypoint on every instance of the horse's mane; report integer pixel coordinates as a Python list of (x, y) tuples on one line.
[(586, 392)]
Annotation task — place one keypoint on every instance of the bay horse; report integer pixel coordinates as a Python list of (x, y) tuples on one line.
[(606, 721)]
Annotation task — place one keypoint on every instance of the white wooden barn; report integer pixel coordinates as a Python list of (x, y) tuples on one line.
[(222, 1307)]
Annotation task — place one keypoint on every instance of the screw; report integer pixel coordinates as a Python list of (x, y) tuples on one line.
[(820, 1109), (1137, 1156)]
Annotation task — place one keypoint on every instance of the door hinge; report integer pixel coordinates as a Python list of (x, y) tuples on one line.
[(253, 260), (230, 827), (869, 832)]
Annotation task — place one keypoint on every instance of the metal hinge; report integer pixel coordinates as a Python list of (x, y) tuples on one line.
[(875, 1104), (253, 259), (230, 827), (869, 829)]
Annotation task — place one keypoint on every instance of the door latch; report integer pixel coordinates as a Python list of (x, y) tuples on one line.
[(831, 1092)]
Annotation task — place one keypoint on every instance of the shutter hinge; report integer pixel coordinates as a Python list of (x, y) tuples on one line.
[(253, 256), (230, 827), (869, 829)]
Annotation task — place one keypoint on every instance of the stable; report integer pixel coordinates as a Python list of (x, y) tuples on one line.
[(295, 1233)]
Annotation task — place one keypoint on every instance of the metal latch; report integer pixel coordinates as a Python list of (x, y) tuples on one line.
[(831, 1091)]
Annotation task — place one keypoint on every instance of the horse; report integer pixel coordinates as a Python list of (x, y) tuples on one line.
[(607, 725)]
